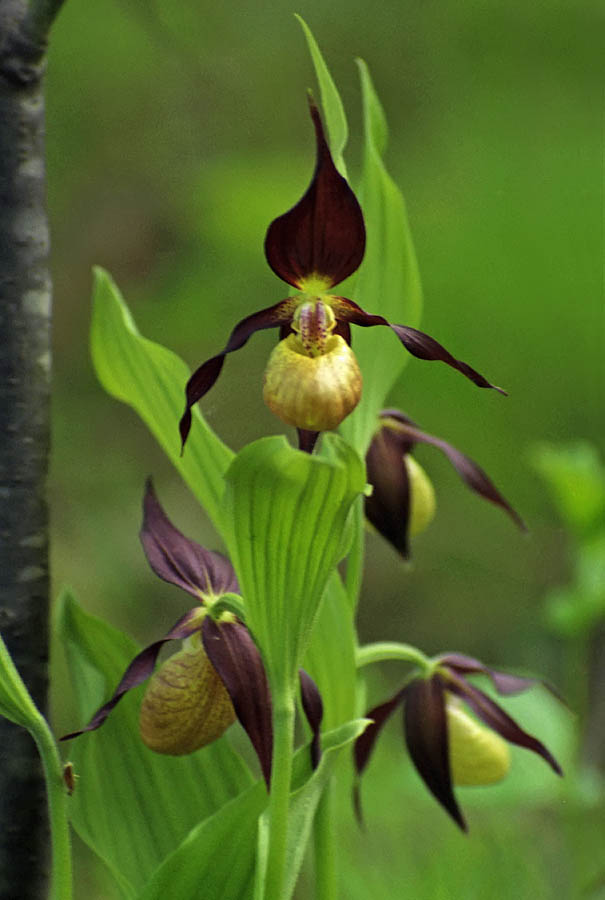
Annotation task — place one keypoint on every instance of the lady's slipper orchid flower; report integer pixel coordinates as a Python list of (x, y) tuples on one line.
[(312, 379), (218, 675), (447, 746), (402, 502)]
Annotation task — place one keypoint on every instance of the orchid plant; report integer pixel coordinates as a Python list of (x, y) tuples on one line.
[(162, 786)]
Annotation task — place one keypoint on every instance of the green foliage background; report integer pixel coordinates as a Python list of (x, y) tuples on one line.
[(176, 132)]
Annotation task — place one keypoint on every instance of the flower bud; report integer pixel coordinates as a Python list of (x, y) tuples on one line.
[(312, 392), (478, 756), (422, 497), (186, 705)]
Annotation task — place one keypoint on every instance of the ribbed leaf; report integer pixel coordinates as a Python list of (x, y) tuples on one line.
[(152, 380), (217, 859), (285, 512), (330, 658), (303, 803), (15, 701), (130, 805), (334, 114), (388, 282)]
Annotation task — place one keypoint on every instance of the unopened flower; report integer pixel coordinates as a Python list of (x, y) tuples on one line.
[(402, 502), (312, 379), (218, 675), (447, 746)]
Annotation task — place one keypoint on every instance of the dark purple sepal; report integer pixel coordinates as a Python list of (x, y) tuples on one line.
[(423, 346), (472, 474), (205, 376), (349, 312), (141, 668), (388, 506), (364, 745), (324, 234), (504, 683), (499, 720), (236, 658), (180, 561), (307, 439), (425, 724), (312, 705)]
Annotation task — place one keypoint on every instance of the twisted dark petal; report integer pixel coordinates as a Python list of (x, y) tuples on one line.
[(388, 506), (425, 725), (324, 234), (205, 376), (497, 719), (504, 683), (344, 330), (415, 342), (472, 474), (307, 439), (238, 662), (364, 745), (141, 668), (348, 311), (177, 559), (313, 708), (424, 346)]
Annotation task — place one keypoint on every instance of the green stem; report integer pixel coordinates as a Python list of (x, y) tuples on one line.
[(326, 880), (61, 883), (279, 800), (384, 650)]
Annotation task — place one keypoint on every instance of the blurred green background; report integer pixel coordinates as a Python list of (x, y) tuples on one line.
[(176, 132)]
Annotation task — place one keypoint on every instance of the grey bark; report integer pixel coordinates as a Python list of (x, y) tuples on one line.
[(25, 305)]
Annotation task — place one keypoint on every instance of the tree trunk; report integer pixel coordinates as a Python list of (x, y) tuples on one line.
[(25, 300)]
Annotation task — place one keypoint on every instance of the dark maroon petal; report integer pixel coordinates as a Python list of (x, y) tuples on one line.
[(141, 668), (307, 439), (314, 710), (348, 311), (238, 662), (364, 745), (502, 681), (177, 559), (343, 330), (324, 234), (388, 506), (494, 716), (472, 474), (424, 346), (425, 725), (205, 376)]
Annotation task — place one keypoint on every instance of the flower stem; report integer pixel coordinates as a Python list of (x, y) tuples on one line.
[(61, 884), (279, 800), (326, 881), (384, 650)]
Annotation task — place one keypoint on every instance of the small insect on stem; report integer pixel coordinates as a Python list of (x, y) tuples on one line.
[(69, 777)]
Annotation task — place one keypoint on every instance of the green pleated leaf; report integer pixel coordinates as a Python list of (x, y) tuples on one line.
[(303, 803), (285, 512), (152, 380), (217, 859), (388, 282), (330, 657), (15, 701), (132, 806), (333, 110)]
